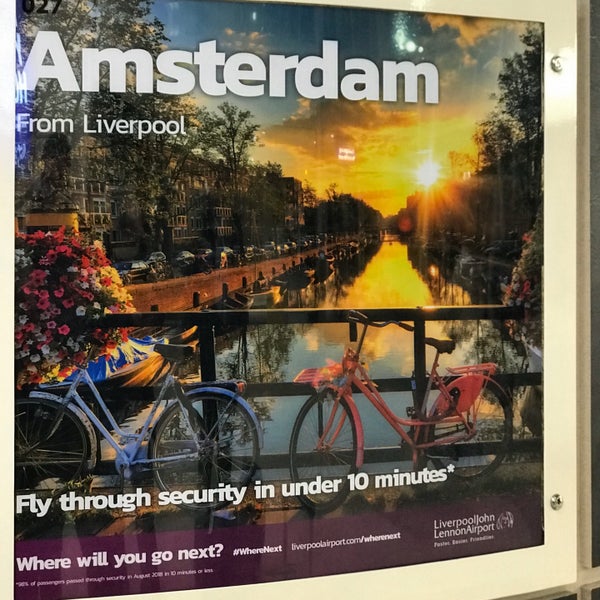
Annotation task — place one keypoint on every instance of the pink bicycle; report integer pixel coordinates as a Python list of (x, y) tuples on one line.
[(463, 424)]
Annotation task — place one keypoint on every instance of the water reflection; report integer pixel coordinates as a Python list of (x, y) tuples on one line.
[(258, 354), (384, 275), (378, 276), (388, 280)]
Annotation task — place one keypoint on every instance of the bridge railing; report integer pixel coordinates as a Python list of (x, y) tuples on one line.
[(209, 322)]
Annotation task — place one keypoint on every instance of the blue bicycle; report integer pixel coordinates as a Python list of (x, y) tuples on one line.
[(205, 437)]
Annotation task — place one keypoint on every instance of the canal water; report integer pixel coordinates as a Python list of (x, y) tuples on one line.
[(385, 275)]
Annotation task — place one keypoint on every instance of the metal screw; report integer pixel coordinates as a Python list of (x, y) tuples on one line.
[(556, 64), (556, 502)]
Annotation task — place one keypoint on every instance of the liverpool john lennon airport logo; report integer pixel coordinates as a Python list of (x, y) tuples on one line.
[(478, 527)]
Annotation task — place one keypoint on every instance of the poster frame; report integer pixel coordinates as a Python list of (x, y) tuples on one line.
[(489, 576), (594, 132)]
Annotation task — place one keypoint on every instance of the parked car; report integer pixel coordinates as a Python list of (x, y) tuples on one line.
[(134, 271), (185, 261), (270, 249), (225, 257), (204, 262), (259, 253), (158, 260), (207, 254), (249, 253), (157, 257), (303, 244)]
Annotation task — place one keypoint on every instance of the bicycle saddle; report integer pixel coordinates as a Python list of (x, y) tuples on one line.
[(442, 346), (174, 352)]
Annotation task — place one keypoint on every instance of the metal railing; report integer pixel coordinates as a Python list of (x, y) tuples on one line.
[(209, 322)]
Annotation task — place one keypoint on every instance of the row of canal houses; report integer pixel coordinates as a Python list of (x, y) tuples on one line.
[(74, 192)]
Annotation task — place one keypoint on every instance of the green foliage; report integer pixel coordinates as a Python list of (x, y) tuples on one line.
[(342, 213), (510, 139), (264, 200), (228, 135)]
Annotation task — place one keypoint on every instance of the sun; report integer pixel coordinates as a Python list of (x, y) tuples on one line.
[(428, 173)]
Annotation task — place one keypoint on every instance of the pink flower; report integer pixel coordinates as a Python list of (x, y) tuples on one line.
[(37, 276), (49, 259), (60, 280), (43, 304)]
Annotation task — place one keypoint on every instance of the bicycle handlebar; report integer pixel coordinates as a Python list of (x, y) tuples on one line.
[(355, 316), (442, 346)]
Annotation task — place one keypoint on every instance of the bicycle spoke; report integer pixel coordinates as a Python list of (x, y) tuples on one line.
[(476, 442), (323, 443), (50, 443), (226, 452)]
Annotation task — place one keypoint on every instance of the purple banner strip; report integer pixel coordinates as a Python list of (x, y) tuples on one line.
[(194, 559)]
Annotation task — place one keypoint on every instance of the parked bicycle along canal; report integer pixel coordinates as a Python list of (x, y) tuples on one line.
[(384, 274)]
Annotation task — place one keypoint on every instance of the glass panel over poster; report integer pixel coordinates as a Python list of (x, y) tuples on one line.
[(281, 294)]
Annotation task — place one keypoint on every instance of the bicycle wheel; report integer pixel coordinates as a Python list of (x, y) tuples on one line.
[(491, 416), (49, 449), (323, 443), (221, 452)]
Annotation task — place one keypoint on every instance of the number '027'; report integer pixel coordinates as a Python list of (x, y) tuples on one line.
[(41, 6)]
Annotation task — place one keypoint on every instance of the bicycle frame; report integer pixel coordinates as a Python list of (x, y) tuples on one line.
[(413, 430), (128, 451)]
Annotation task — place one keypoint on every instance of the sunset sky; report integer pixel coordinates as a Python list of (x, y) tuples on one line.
[(390, 140)]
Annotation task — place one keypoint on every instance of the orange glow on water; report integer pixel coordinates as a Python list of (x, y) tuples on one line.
[(388, 281)]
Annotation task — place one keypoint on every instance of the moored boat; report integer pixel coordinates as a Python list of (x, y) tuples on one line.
[(295, 278), (232, 301)]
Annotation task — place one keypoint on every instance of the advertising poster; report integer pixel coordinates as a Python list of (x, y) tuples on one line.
[(278, 292)]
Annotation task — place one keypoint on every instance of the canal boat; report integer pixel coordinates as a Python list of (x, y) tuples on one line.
[(133, 363), (322, 266), (232, 301), (262, 292), (296, 278)]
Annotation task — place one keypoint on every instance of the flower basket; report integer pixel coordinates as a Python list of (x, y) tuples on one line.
[(63, 287)]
